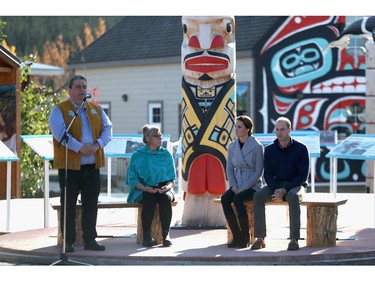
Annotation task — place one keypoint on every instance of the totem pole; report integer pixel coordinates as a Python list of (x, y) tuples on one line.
[(208, 112)]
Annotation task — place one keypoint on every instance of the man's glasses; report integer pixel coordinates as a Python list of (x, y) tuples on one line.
[(158, 136)]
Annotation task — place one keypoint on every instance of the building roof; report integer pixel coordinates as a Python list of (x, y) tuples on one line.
[(160, 37), (36, 68), (10, 58), (41, 69)]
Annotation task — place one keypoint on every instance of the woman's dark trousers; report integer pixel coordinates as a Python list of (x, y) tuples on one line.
[(239, 225)]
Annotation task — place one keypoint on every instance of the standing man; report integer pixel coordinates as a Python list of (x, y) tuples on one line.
[(286, 170), (79, 173)]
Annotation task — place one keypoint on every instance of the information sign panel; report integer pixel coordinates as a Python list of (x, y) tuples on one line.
[(123, 145), (6, 154), (41, 144), (310, 138), (356, 146)]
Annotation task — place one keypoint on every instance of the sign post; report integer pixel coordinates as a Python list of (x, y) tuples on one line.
[(42, 145), (356, 146), (7, 155)]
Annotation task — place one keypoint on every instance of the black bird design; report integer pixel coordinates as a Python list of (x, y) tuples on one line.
[(365, 25)]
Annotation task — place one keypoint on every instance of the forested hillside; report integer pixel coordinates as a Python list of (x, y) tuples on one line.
[(30, 33)]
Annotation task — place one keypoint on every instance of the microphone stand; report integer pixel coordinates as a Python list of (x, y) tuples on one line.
[(64, 260)]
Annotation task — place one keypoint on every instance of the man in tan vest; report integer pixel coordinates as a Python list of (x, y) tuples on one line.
[(85, 138)]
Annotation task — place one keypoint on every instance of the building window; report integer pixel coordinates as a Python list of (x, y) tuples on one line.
[(242, 96), (155, 114)]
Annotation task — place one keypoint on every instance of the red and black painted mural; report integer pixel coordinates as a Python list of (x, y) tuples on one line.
[(317, 87)]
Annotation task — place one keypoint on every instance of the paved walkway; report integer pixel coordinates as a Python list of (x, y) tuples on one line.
[(28, 242)]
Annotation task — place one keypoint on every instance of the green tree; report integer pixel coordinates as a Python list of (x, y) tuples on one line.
[(2, 25), (36, 105), (38, 100), (30, 33)]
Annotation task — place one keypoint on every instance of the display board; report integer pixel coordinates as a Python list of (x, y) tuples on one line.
[(310, 138), (328, 138), (6, 154), (356, 146), (41, 144), (123, 145)]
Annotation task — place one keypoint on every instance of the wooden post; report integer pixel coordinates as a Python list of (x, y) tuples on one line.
[(325, 234), (10, 74), (370, 106), (250, 216), (321, 226), (79, 239), (156, 231)]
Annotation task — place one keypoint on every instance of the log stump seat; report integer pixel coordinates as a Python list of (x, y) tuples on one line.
[(321, 226), (156, 230)]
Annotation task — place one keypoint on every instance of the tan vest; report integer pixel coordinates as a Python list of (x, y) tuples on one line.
[(94, 115)]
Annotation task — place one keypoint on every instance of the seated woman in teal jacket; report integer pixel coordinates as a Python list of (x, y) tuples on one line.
[(151, 176)]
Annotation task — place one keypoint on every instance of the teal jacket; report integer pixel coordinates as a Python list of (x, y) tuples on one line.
[(149, 167)]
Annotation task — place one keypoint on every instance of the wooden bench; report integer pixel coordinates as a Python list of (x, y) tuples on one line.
[(321, 225), (156, 230)]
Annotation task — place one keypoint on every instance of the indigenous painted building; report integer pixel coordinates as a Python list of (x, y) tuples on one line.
[(317, 87)]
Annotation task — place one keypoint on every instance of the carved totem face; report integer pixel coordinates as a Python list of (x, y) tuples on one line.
[(208, 49)]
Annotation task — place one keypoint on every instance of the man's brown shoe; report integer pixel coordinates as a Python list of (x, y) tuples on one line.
[(293, 245), (258, 244)]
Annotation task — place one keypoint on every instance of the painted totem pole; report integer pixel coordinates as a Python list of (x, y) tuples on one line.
[(208, 110)]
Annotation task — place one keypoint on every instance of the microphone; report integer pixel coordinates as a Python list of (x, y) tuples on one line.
[(88, 96)]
